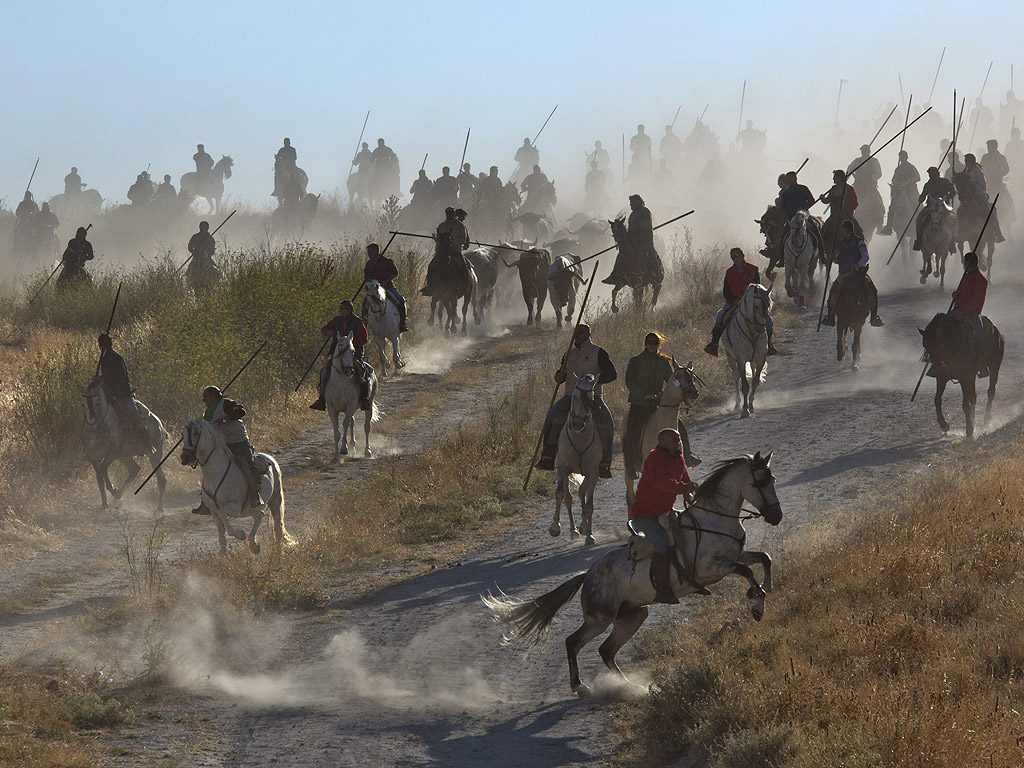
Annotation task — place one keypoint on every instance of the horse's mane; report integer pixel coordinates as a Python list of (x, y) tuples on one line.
[(709, 488)]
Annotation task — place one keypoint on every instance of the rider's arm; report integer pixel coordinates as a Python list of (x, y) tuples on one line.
[(606, 367), (726, 293)]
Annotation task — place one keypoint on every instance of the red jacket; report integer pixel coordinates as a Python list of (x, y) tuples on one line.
[(970, 298), (353, 325), (664, 477), (382, 269), (737, 280)]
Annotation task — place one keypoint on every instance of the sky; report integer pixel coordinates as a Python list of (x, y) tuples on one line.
[(115, 86)]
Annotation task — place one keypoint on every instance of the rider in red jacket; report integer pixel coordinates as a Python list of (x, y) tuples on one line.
[(968, 301), (344, 323), (738, 278)]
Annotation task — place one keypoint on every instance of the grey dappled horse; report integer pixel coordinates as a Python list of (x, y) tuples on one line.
[(383, 320), (225, 484), (801, 255), (341, 395), (707, 538), (745, 342), (578, 460), (105, 440), (211, 186)]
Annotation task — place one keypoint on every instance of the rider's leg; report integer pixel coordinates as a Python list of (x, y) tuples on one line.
[(830, 315), (605, 429), (980, 343), (364, 380), (769, 327), (553, 424), (246, 457), (399, 301), (873, 295), (716, 332), (660, 571), (919, 224), (320, 405)]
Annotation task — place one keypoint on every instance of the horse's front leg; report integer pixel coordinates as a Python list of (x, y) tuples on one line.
[(856, 346), (257, 518), (347, 427), (655, 292), (337, 436), (396, 352), (133, 471), (746, 385), (756, 592), (433, 306), (750, 557), (224, 515), (970, 403), (221, 538), (615, 293), (940, 387), (560, 482), (587, 505), (368, 417), (840, 341), (465, 310), (101, 481)]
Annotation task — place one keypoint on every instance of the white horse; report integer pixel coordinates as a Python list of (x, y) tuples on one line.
[(936, 235), (679, 391), (706, 544), (746, 343), (225, 485), (565, 275), (342, 396), (579, 459), (106, 440), (800, 252), (382, 320)]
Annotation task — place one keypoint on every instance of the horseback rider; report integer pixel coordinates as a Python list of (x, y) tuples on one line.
[(422, 191), (737, 278), (939, 188), (973, 190), (840, 191), (385, 172), (664, 478), (452, 239), (286, 154), (117, 386), (584, 357), (26, 209), (165, 189), (852, 258), (45, 223), (903, 187), (539, 191), (794, 196), (526, 156), (640, 228), (344, 323), (670, 147), (968, 302), (595, 196), (73, 182), (141, 192), (384, 270), (467, 185), (204, 163), (226, 416), (202, 246), (446, 188), (996, 166), (78, 252)]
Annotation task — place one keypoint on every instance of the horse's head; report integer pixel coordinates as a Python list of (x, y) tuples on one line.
[(760, 489), (685, 382), (375, 293), (582, 402), (757, 303), (223, 166), (195, 439), (94, 401), (799, 221), (345, 354), (618, 226), (940, 338)]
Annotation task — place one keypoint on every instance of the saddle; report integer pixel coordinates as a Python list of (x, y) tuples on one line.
[(641, 549)]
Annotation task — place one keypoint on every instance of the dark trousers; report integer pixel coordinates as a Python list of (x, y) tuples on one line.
[(246, 457), (559, 412), (636, 420)]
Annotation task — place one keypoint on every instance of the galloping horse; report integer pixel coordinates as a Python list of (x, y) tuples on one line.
[(635, 269), (383, 320), (936, 235), (211, 186), (225, 485), (746, 343), (107, 439), (341, 395), (971, 217), (451, 282), (681, 390), (579, 458), (772, 224), (950, 347), (707, 541), (853, 305), (902, 208), (801, 254), (565, 275)]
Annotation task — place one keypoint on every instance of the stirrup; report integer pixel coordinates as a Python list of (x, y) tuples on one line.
[(319, 405), (772, 350), (693, 460), (712, 349)]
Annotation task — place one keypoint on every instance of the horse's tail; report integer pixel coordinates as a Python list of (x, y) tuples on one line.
[(375, 411), (276, 505), (529, 623), (764, 371)]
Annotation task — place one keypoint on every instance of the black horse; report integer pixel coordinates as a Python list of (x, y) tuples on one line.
[(954, 355)]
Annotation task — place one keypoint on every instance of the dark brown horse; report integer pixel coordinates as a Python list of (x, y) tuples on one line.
[(634, 268), (853, 305), (952, 350)]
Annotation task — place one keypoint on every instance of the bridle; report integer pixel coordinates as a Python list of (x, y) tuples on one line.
[(337, 361), (748, 325)]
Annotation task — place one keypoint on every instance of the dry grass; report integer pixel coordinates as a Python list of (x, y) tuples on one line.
[(901, 644), (50, 720)]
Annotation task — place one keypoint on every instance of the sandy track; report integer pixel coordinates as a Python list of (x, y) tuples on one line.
[(414, 674)]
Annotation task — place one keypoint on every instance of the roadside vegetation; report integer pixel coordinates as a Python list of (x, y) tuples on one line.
[(898, 642)]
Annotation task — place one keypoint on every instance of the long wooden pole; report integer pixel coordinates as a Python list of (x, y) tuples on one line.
[(554, 395), (474, 242), (905, 122), (464, 148), (223, 390), (211, 235), (977, 114), (882, 126), (359, 143), (110, 321), (936, 78), (29, 185), (743, 98), (610, 247)]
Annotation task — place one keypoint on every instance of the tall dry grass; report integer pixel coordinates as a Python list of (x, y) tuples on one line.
[(900, 643)]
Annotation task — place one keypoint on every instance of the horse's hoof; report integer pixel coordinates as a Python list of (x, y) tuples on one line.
[(589, 541), (615, 309), (757, 611), (856, 367), (568, 318), (464, 332), (575, 533), (476, 321), (529, 321), (368, 454), (255, 547), (745, 414), (584, 692), (555, 529), (924, 279)]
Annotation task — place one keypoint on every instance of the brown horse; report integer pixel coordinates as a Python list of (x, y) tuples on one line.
[(634, 268), (951, 348), (853, 305)]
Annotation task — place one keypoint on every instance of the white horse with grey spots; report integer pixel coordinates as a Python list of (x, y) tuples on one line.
[(341, 395), (383, 320), (578, 461), (225, 485), (745, 341)]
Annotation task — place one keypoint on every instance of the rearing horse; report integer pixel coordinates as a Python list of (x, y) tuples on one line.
[(210, 187)]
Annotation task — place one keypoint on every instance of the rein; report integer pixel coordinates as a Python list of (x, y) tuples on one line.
[(748, 323)]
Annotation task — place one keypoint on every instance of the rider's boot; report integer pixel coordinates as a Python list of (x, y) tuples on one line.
[(547, 456), (403, 326), (364, 395), (662, 580), (771, 347), (202, 509), (712, 346), (320, 405)]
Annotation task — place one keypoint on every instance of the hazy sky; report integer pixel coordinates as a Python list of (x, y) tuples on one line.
[(113, 86)]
